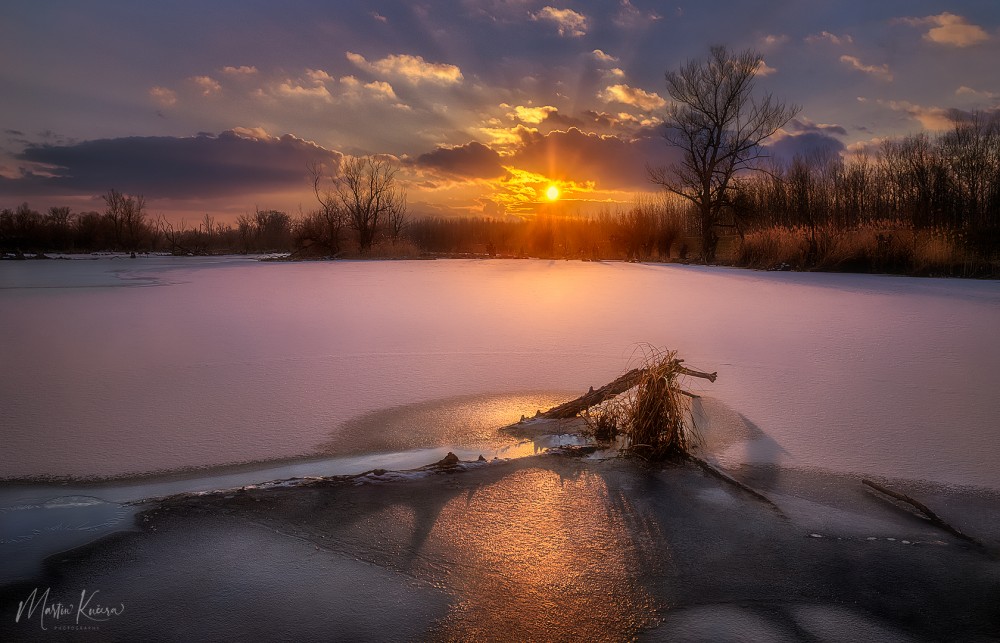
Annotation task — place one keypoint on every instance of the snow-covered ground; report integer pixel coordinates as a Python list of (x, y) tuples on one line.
[(124, 366)]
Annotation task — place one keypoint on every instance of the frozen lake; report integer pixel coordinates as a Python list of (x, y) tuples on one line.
[(119, 367)]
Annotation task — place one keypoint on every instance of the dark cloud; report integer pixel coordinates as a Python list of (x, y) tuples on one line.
[(557, 119), (805, 126), (613, 163), (606, 121), (472, 160), (808, 145), (231, 163)]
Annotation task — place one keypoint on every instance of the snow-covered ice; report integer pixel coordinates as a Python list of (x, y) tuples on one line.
[(122, 366)]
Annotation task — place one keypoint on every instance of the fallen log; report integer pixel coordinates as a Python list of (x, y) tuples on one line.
[(922, 508), (594, 397), (608, 391)]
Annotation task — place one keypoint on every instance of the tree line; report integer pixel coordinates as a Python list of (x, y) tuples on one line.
[(927, 204), (650, 229)]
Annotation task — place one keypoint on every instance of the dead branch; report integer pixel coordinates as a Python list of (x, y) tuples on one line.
[(684, 370), (922, 508), (608, 391)]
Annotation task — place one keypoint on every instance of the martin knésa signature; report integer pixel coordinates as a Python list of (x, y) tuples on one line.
[(85, 611)]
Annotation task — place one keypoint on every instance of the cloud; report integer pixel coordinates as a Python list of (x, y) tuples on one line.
[(826, 36), (773, 40), (412, 69), (236, 162), (931, 118), (949, 29), (879, 71), (807, 145), (532, 115), (976, 93), (472, 160), (587, 161), (632, 96), (312, 85), (803, 124), (294, 89), (603, 57), (252, 133), (567, 21), (381, 89), (242, 70), (378, 17), (610, 122), (609, 162), (557, 119), (207, 85), (630, 16), (802, 137), (318, 76), (165, 97), (763, 69), (504, 137), (352, 90)]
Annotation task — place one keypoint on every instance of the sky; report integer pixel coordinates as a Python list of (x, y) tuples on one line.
[(221, 107)]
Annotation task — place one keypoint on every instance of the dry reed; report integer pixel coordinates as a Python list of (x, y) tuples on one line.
[(653, 417)]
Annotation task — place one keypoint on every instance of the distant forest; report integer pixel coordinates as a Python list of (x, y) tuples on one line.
[(918, 205)]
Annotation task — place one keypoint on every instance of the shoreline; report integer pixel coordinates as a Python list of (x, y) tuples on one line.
[(543, 546), (288, 257)]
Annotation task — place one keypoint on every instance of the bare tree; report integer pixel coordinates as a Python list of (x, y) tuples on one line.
[(127, 215), (367, 192), (174, 236), (398, 220), (720, 126), (325, 226)]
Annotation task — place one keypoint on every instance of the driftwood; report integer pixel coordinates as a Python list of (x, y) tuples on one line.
[(922, 508), (594, 397), (608, 391)]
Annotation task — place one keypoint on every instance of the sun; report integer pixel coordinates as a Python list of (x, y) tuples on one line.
[(552, 193)]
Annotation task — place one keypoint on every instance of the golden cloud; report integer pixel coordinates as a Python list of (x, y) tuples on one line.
[(532, 115), (207, 85), (413, 69), (763, 69), (163, 96), (931, 118), (879, 71), (567, 21), (603, 57), (632, 96), (949, 29)]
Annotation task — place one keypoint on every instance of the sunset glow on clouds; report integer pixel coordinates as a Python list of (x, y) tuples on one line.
[(485, 104)]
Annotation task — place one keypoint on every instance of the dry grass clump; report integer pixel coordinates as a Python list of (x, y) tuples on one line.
[(605, 421), (652, 418), (655, 410)]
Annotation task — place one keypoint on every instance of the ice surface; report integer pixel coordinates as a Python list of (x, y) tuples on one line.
[(218, 361), (32, 530)]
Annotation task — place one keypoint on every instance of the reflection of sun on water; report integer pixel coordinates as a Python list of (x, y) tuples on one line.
[(552, 193), (548, 553)]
